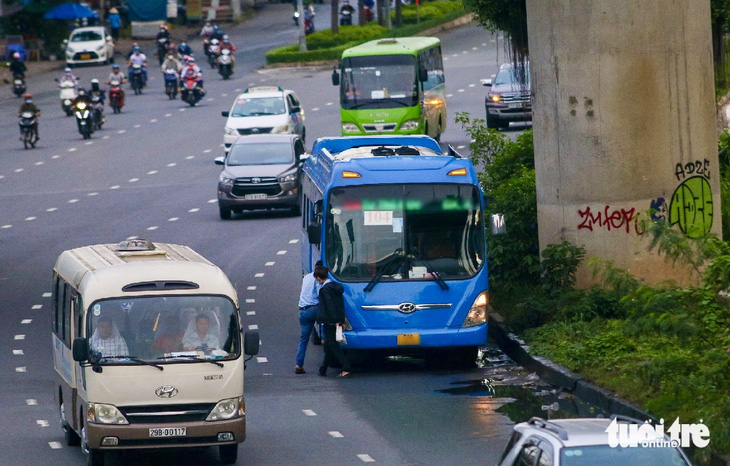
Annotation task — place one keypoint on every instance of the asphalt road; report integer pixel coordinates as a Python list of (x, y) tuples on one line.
[(149, 173)]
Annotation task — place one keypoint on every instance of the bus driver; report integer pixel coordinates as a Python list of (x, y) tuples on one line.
[(200, 337)]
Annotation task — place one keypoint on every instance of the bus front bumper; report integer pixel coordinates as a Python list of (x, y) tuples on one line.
[(416, 338)]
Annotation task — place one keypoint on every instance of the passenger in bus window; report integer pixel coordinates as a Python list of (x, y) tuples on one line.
[(200, 336), (107, 340), (169, 336)]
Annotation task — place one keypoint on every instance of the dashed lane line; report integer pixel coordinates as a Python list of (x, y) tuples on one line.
[(280, 253), (52, 209), (173, 219), (29, 219), (259, 275), (250, 313), (26, 321), (152, 172), (193, 210), (31, 402), (152, 228), (55, 445), (251, 288), (133, 180), (19, 337), (253, 327), (261, 359), (309, 412), (73, 201), (250, 300), (42, 423), (20, 369), (335, 434), (293, 241), (365, 458), (18, 352), (269, 264)]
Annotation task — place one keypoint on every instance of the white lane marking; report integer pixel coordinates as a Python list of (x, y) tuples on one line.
[(259, 275), (137, 126), (55, 445), (250, 301), (460, 147), (315, 109), (19, 337), (210, 100), (5, 227), (472, 85), (206, 151), (2, 176), (365, 458), (38, 306), (168, 115), (93, 194), (328, 104), (484, 44), (280, 253), (224, 95), (238, 90), (193, 210), (173, 219), (132, 237), (73, 201), (88, 143), (464, 51), (29, 219), (121, 131), (181, 110), (42, 423), (190, 157), (18, 352), (309, 412), (26, 321), (269, 264), (31, 402), (253, 327), (152, 228), (454, 54), (56, 157), (18, 170), (472, 140), (251, 84), (293, 241), (20, 369), (460, 90), (52, 209), (73, 149), (39, 163), (250, 313), (251, 288), (335, 434), (171, 164), (154, 120), (116, 186), (105, 137), (152, 172), (475, 48), (212, 201), (449, 95), (261, 359), (134, 180), (45, 295), (446, 58)]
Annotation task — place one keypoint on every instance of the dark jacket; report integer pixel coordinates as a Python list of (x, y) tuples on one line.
[(17, 67), (331, 304)]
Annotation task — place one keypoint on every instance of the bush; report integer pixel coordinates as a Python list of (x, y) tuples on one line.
[(426, 11), (291, 54), (354, 33), (558, 266)]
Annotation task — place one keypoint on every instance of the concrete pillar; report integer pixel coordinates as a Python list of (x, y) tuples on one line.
[(624, 120)]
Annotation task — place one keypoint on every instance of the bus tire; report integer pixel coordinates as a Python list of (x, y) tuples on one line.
[(95, 457), (70, 436), (464, 357), (228, 453)]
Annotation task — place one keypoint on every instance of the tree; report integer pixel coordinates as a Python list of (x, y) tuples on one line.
[(509, 16)]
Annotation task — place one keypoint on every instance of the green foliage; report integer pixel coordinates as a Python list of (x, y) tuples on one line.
[(347, 34), (508, 181), (509, 16), (558, 266), (291, 54), (413, 13)]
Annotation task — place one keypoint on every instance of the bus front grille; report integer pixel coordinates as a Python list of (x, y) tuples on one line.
[(379, 128), (161, 414)]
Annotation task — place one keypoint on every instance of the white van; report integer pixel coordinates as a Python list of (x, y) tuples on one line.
[(147, 349)]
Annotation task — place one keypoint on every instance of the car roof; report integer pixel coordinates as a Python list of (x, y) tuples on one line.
[(88, 28), (259, 138), (263, 91), (570, 432)]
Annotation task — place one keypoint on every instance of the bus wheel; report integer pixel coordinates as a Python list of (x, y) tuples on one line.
[(71, 437), (228, 453), (465, 357), (95, 457)]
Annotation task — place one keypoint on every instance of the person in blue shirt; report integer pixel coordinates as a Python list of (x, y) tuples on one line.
[(114, 22), (184, 49), (308, 311)]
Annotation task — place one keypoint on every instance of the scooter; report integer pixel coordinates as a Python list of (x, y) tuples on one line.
[(97, 110), (18, 84), (28, 122), (136, 79), (162, 46), (68, 94), (191, 91), (225, 64), (346, 15), (171, 84), (213, 52), (116, 102), (84, 119), (295, 18)]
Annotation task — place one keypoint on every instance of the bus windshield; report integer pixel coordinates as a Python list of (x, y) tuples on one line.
[(405, 232), (381, 81), (163, 329)]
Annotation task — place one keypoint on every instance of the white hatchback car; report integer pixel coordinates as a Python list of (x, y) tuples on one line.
[(262, 110), (89, 45)]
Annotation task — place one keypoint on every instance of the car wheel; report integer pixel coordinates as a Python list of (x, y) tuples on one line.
[(228, 453), (492, 122), (224, 213)]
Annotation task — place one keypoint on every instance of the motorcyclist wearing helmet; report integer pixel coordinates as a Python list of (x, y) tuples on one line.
[(117, 76), (82, 96), (184, 49), (29, 106), (69, 76), (131, 51), (191, 65), (138, 58), (217, 33), (171, 63), (228, 45), (163, 33), (16, 66), (207, 29), (97, 91)]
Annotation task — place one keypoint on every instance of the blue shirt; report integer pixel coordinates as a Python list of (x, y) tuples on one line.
[(310, 291), (114, 20)]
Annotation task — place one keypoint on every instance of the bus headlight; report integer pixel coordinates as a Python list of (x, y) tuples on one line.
[(104, 414), (409, 125), (350, 128), (478, 313), (231, 408)]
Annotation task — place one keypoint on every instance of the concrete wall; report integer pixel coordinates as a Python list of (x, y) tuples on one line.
[(624, 120)]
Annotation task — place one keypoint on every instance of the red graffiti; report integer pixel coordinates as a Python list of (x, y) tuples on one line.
[(610, 219)]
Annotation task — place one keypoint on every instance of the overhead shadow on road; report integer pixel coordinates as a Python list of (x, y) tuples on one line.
[(261, 215)]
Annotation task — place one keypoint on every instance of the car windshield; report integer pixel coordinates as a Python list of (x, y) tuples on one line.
[(515, 76), (258, 106), (382, 81), (164, 328), (266, 153), (405, 232), (85, 36), (609, 456)]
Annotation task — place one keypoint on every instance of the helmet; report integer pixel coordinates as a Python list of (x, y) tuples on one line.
[(81, 91), (135, 44), (183, 42), (67, 70), (27, 95), (16, 55), (187, 58), (191, 60), (163, 26), (225, 36), (136, 48), (115, 67), (214, 41), (94, 81)]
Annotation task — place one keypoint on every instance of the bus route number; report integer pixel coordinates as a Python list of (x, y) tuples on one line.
[(378, 217)]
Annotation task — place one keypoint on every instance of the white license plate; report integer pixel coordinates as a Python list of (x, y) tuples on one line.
[(18, 81), (168, 432), (514, 106), (255, 196)]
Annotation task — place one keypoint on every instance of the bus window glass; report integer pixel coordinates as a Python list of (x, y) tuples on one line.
[(258, 106), (57, 304), (384, 81), (164, 328), (405, 232), (66, 325), (432, 62)]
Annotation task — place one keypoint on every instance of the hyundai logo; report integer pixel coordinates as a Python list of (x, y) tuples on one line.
[(407, 308), (255, 180), (254, 130), (166, 391)]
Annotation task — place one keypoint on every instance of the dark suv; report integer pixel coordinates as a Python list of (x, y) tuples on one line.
[(509, 96), (261, 171)]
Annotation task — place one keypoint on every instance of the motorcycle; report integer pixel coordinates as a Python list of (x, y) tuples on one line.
[(163, 44), (28, 122), (191, 91), (367, 13), (84, 119), (115, 97), (213, 52), (225, 64), (136, 79), (346, 15), (97, 110), (68, 94), (295, 18), (309, 22), (18, 85), (171, 84)]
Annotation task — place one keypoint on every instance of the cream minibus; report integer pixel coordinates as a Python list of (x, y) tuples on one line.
[(147, 350)]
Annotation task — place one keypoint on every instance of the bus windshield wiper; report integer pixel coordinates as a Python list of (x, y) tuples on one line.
[(437, 276), (135, 359), (193, 358), (386, 264)]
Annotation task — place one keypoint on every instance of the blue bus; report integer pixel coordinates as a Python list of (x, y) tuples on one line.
[(400, 225)]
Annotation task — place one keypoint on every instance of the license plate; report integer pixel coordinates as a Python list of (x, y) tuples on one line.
[(168, 432), (18, 82), (514, 106), (409, 339), (255, 196), (85, 56)]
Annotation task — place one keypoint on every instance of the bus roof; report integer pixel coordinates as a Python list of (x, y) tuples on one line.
[(116, 270), (392, 46)]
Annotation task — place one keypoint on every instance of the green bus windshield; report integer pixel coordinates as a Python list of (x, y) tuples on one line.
[(380, 81)]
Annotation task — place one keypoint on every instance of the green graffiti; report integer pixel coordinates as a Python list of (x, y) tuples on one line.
[(691, 207)]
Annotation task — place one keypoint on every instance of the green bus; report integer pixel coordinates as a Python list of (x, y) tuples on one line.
[(392, 86)]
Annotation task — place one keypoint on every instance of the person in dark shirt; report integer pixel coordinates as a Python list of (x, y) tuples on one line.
[(16, 66), (29, 106), (331, 316)]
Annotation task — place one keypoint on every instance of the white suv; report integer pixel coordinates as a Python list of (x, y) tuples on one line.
[(262, 110), (584, 441)]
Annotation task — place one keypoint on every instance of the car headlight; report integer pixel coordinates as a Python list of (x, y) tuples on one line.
[(230, 131), (104, 414), (350, 128), (99, 48), (287, 178), (70, 50), (225, 180), (281, 129), (231, 408), (478, 313), (409, 125), (496, 98)]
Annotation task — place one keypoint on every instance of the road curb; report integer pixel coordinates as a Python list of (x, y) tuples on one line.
[(453, 24)]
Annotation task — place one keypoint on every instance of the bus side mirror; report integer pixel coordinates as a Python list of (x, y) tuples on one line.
[(251, 342), (314, 231), (81, 349), (335, 78), (422, 75), (498, 226)]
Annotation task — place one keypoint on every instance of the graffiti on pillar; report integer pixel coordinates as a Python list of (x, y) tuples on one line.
[(696, 168), (691, 206), (659, 209), (609, 219)]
